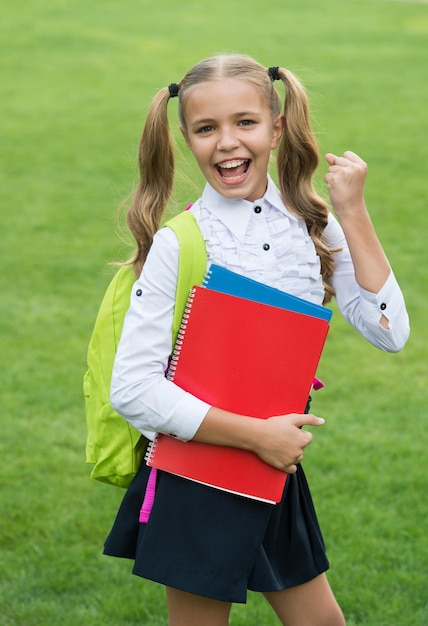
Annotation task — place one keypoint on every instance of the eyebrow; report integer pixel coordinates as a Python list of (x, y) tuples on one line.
[(200, 121)]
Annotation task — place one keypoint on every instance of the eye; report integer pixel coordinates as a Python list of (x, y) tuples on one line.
[(246, 123), (204, 129)]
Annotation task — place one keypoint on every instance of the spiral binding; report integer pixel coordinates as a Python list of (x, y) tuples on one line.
[(180, 336), (151, 449), (207, 277)]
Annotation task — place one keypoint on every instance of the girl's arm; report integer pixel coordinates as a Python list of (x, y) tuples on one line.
[(139, 390), (345, 179), (279, 440)]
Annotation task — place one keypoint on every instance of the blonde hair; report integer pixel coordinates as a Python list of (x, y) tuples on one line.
[(297, 154)]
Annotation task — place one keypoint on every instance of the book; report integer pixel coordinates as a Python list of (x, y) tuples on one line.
[(224, 280), (249, 358)]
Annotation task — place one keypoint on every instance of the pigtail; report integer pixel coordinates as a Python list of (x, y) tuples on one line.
[(156, 167), (297, 160)]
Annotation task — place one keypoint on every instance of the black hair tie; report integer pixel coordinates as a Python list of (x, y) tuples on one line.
[(274, 73), (173, 89)]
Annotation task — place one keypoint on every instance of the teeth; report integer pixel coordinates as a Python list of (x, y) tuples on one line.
[(231, 164)]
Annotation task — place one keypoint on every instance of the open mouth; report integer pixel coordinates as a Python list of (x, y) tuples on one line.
[(233, 170)]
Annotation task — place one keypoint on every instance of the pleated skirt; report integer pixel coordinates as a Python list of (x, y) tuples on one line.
[(219, 545)]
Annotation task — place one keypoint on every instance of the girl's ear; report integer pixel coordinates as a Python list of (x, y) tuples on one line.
[(278, 127), (186, 136)]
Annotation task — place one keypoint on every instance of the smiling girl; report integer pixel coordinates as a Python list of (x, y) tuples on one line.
[(206, 546)]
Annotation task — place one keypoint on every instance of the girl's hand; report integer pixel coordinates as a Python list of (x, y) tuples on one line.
[(345, 180), (282, 440)]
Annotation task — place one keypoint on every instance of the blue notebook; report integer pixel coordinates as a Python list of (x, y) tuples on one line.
[(224, 280)]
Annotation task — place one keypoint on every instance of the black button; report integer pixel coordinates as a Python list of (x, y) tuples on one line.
[(139, 292), (383, 306), (266, 246), (257, 209)]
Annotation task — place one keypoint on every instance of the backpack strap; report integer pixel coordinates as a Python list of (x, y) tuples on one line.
[(192, 262)]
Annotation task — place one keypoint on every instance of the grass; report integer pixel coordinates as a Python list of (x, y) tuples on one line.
[(76, 79)]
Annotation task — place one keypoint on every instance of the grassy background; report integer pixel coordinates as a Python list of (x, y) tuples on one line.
[(76, 78)]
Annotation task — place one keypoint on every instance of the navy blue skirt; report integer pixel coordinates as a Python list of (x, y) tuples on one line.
[(219, 545)]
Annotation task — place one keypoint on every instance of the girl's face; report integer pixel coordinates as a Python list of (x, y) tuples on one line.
[(231, 132)]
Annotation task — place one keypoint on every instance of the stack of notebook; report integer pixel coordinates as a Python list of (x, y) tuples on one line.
[(246, 348)]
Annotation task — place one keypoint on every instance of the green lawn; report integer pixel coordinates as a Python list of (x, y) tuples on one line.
[(76, 78)]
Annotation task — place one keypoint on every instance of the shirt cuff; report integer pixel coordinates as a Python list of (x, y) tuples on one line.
[(388, 301), (189, 414)]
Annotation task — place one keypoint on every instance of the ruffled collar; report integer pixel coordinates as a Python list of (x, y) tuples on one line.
[(235, 214)]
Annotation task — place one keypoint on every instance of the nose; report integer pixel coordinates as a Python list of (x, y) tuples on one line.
[(228, 139)]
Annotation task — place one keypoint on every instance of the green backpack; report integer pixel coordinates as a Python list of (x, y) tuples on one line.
[(114, 447)]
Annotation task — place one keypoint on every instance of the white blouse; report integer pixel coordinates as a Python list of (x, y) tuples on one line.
[(261, 240)]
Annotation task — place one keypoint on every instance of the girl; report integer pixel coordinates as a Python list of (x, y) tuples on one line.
[(208, 547)]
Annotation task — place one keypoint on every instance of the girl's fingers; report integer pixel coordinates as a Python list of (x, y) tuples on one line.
[(351, 156), (347, 159)]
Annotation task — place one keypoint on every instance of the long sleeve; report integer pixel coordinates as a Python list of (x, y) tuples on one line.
[(139, 390)]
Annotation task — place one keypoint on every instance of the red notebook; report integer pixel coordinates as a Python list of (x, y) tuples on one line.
[(248, 358)]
